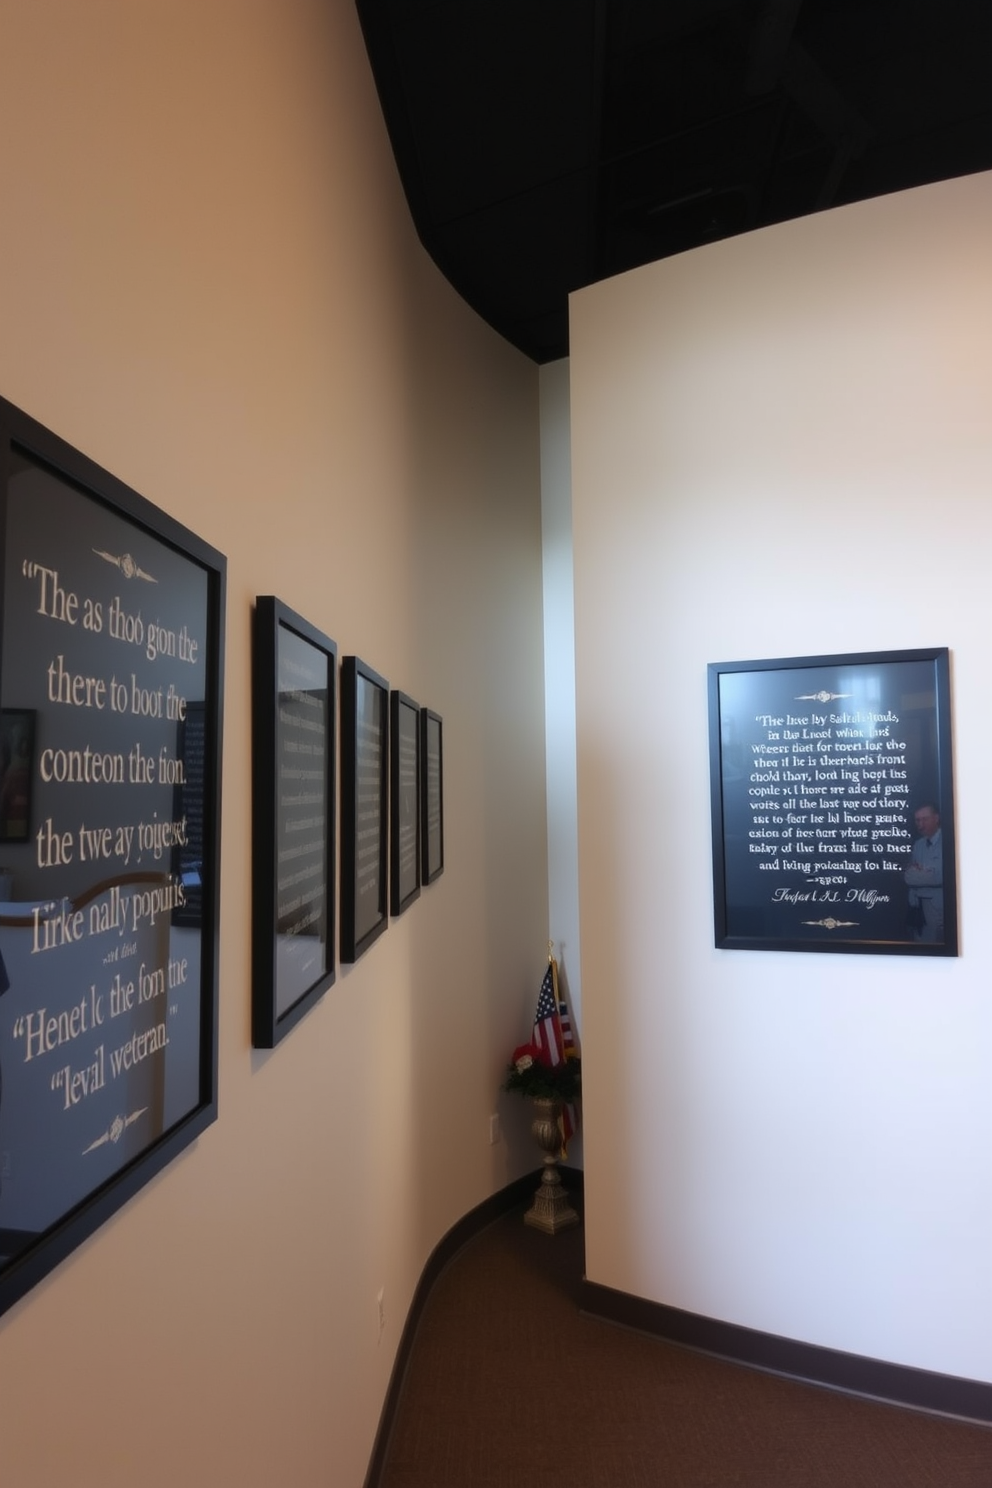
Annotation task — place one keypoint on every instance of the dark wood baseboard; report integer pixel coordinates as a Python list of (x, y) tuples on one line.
[(896, 1384), (477, 1219)]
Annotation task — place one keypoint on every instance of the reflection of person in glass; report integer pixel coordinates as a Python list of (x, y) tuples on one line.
[(15, 759), (4, 984), (925, 876)]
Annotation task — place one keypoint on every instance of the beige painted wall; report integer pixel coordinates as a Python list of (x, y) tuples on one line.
[(781, 446), (209, 283)]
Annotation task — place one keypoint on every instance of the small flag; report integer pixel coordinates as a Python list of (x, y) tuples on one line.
[(548, 1034), (554, 1037)]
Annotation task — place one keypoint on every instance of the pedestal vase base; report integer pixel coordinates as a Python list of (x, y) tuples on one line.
[(551, 1210)]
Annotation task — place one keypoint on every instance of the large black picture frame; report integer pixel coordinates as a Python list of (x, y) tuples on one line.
[(431, 795), (832, 802), (294, 726), (112, 633), (404, 802), (364, 807)]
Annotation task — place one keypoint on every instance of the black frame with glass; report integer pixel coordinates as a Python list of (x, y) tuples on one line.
[(364, 807), (832, 803), (294, 690), (111, 633), (431, 795), (404, 802)]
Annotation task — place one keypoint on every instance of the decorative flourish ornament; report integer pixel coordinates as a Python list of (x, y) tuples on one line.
[(127, 565), (831, 924)]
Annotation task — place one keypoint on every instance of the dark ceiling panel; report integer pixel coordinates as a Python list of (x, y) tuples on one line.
[(543, 144), (516, 251), (670, 84), (499, 93), (510, 259)]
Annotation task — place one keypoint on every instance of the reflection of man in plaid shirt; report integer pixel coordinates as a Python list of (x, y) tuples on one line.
[(925, 875), (4, 984)]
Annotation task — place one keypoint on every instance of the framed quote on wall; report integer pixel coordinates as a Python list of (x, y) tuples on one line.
[(832, 804), (364, 807), (110, 687), (294, 689), (404, 802), (431, 795)]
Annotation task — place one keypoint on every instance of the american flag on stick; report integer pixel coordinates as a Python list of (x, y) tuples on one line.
[(554, 1037)]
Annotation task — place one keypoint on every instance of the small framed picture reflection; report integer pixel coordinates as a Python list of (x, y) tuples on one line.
[(16, 771)]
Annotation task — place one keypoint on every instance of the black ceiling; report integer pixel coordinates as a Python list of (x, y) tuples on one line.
[(546, 144)]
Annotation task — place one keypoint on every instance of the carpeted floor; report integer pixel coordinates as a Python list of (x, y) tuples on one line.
[(510, 1385)]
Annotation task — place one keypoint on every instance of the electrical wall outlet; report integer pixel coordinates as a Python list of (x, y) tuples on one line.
[(494, 1128)]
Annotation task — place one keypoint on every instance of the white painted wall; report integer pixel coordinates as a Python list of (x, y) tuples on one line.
[(209, 283), (559, 692), (781, 446), (559, 667)]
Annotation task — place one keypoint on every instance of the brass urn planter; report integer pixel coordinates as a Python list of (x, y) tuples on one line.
[(551, 1210)]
